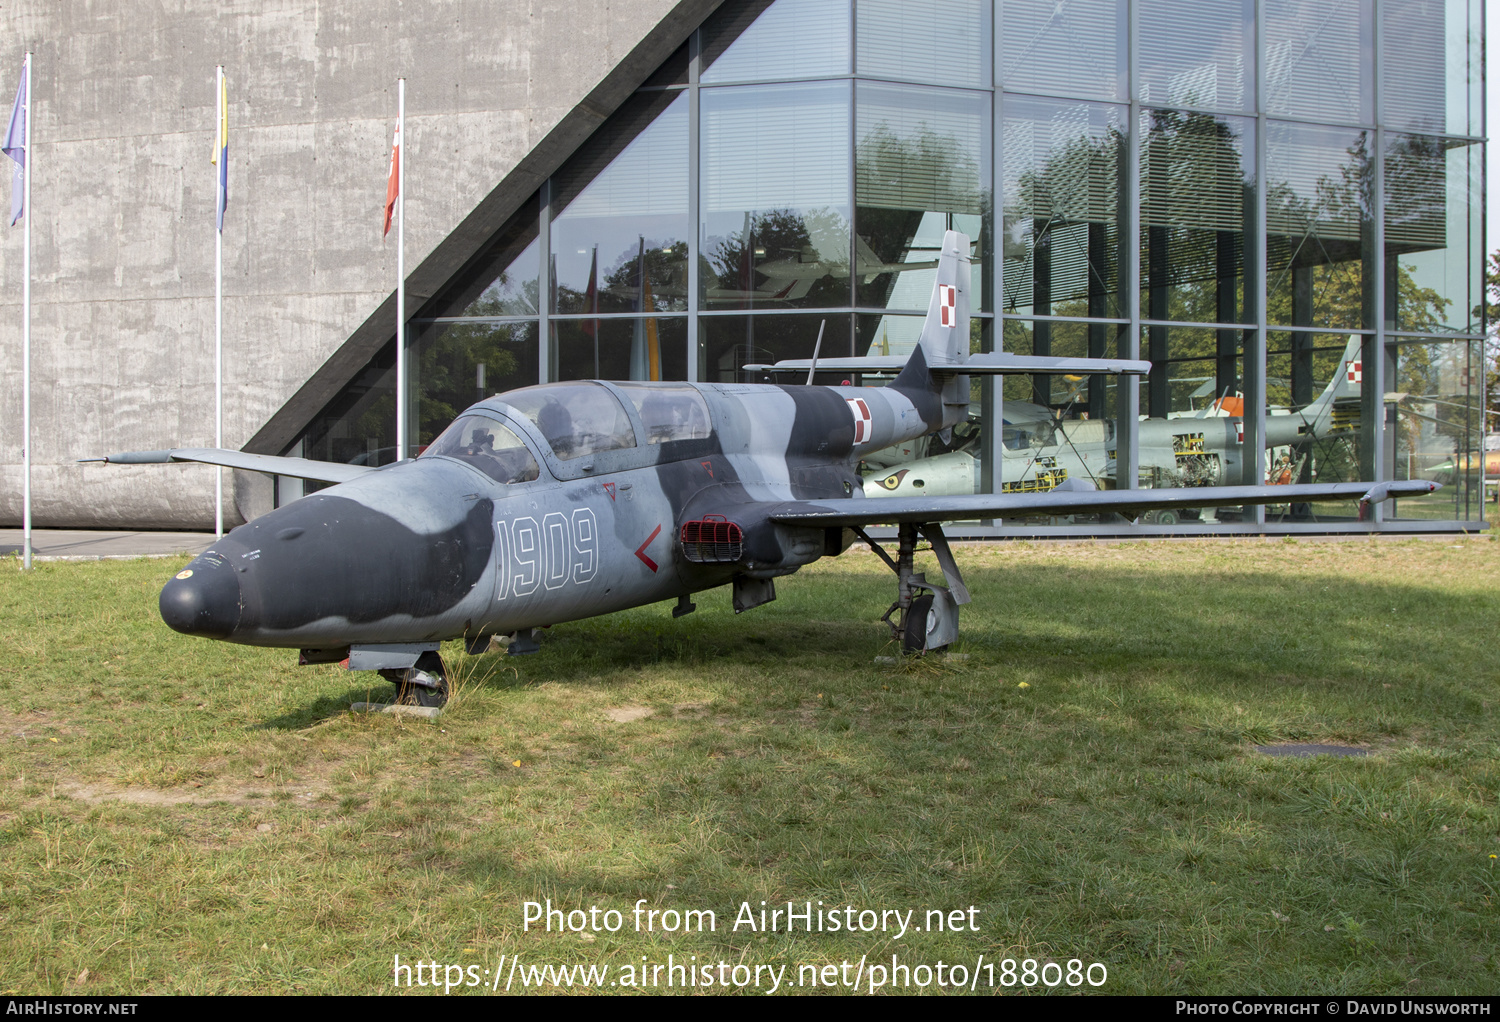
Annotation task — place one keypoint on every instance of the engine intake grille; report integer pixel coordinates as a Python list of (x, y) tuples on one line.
[(712, 540)]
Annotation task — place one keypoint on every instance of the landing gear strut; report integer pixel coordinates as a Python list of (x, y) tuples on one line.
[(425, 684), (926, 613)]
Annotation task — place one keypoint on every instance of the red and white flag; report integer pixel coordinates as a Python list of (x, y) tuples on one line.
[(393, 183)]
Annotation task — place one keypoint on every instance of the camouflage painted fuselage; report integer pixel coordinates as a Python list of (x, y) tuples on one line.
[(433, 548)]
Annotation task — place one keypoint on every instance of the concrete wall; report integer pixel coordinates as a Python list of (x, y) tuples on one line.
[(123, 204)]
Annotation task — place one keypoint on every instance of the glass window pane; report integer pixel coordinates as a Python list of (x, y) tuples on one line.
[(483, 442), (1199, 54), (921, 167), (945, 42), (620, 349), (1438, 435), (1065, 48), (358, 426), (1197, 176), (1069, 397), (669, 412), (775, 195), (502, 280), (1432, 66), (1313, 432), (1319, 226), (1064, 167), (1433, 233), (620, 242), (453, 365), (729, 343), (576, 418), (1318, 60), (757, 41)]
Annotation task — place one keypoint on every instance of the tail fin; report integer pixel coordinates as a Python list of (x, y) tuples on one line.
[(944, 343), (1348, 378), (945, 334)]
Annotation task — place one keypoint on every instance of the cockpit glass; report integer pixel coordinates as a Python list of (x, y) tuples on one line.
[(488, 446), (576, 418), (669, 411)]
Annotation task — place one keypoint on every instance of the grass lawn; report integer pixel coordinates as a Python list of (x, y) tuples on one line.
[(179, 815)]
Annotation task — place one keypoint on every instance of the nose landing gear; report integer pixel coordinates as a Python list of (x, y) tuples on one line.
[(423, 684)]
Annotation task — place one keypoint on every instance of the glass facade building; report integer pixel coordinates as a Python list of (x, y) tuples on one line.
[(1279, 203)]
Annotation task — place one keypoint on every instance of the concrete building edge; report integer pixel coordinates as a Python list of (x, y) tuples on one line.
[(467, 240)]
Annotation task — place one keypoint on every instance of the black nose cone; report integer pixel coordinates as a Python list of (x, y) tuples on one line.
[(204, 599)]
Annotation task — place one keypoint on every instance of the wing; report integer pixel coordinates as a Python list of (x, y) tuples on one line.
[(297, 468), (1065, 500), (997, 364)]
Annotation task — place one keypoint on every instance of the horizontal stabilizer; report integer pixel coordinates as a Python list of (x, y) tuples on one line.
[(297, 468), (857, 511), (996, 364)]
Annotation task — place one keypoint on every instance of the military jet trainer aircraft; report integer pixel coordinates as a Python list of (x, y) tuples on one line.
[(566, 500)]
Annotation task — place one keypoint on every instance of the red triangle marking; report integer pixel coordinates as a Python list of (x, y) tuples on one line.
[(609, 488), (708, 465), (640, 551)]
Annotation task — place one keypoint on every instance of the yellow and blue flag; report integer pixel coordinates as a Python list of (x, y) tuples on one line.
[(221, 151)]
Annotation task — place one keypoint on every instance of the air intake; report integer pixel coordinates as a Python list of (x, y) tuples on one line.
[(712, 540)]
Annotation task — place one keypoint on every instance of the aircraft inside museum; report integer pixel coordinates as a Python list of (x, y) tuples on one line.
[(1042, 450), (563, 501)]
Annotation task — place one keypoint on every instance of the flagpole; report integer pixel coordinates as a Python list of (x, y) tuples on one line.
[(219, 146), (26, 327), (401, 270)]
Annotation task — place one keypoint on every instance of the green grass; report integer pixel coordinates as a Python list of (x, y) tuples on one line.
[(1112, 810)]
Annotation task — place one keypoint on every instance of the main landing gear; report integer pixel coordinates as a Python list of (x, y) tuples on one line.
[(425, 684), (926, 613)]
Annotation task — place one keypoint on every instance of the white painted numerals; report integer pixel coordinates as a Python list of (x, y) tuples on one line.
[(529, 554)]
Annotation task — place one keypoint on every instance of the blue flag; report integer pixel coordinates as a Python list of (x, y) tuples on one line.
[(15, 148)]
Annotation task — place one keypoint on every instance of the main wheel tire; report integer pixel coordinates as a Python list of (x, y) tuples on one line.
[(410, 693), (914, 637), (1166, 518)]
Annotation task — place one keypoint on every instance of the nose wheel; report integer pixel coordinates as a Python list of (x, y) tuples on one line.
[(425, 684)]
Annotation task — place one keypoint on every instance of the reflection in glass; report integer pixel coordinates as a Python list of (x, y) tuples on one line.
[(945, 42), (921, 167), (669, 412), (1070, 397), (775, 196), (650, 348), (1318, 60), (358, 426), (1065, 164), (1199, 54), (1433, 232), (729, 343), (1318, 217), (502, 280), (1432, 66), (575, 418), (620, 242), (483, 442), (1438, 393), (759, 40), (453, 365), (1066, 48), (1196, 199), (1313, 415)]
